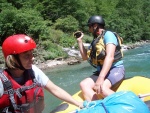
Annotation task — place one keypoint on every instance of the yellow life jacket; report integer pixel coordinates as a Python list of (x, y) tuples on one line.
[(97, 51)]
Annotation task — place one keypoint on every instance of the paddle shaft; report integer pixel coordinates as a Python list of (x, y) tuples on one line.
[(143, 95)]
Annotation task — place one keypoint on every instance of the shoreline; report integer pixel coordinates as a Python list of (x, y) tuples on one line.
[(50, 64), (73, 60)]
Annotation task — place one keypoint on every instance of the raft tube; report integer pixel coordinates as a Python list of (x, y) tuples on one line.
[(138, 84)]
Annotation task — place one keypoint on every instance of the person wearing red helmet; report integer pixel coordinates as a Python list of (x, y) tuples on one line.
[(21, 82), (105, 55)]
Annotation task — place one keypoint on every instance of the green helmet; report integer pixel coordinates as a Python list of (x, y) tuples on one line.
[(96, 19)]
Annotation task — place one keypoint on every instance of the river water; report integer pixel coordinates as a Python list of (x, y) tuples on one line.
[(68, 77)]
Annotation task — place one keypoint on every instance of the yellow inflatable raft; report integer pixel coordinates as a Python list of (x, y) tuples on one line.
[(138, 84)]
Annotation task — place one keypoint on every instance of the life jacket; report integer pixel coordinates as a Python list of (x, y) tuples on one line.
[(27, 98), (97, 50)]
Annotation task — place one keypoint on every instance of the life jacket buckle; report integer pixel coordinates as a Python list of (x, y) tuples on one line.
[(18, 93)]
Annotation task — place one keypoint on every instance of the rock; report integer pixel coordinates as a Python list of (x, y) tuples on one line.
[(73, 62), (72, 52), (59, 58)]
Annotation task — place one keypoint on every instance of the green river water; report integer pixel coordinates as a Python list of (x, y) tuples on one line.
[(68, 77)]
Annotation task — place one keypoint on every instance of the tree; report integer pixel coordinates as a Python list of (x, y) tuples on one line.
[(68, 24), (27, 21)]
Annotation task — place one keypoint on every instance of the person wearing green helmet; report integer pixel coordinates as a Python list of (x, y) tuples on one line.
[(21, 82), (105, 55)]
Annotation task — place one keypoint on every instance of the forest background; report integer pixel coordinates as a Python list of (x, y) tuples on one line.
[(51, 23)]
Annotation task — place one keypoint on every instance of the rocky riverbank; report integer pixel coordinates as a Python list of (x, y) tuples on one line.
[(58, 62), (75, 57)]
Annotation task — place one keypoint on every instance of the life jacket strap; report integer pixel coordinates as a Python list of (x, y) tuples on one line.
[(22, 89), (10, 91), (22, 108), (7, 84)]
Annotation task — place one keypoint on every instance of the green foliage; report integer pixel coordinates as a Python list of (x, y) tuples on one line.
[(52, 22), (67, 41), (26, 21), (1, 59), (88, 39), (52, 51), (55, 9), (6, 18), (51, 35), (67, 24)]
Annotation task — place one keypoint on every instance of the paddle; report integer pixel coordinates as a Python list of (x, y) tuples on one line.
[(141, 96), (72, 111)]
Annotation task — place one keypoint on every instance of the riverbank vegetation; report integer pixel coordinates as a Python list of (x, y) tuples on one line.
[(52, 22)]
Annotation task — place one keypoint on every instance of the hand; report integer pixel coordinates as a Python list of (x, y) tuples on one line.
[(78, 34), (97, 88), (80, 105), (98, 85)]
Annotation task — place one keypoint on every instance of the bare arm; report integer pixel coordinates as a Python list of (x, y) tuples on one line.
[(61, 94), (82, 49), (110, 50)]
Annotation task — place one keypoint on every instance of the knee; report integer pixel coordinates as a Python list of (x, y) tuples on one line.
[(87, 84), (83, 84), (105, 91), (106, 86)]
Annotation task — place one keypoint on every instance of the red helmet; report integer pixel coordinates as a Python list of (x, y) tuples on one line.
[(17, 44)]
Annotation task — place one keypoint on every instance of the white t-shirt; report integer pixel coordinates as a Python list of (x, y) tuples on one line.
[(41, 78)]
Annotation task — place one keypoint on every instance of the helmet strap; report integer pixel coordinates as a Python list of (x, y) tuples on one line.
[(19, 62), (95, 31)]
